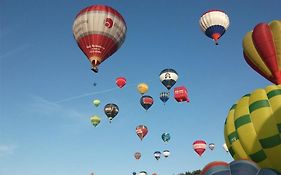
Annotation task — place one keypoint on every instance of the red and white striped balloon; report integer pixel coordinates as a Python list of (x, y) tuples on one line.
[(199, 146), (99, 31)]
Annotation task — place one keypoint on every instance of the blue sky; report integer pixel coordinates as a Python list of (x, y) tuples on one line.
[(46, 86)]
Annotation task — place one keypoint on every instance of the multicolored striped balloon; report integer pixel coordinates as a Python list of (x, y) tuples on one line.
[(262, 50), (253, 128), (216, 168)]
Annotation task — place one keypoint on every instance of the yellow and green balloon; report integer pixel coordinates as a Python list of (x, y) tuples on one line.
[(95, 120), (96, 102), (253, 128)]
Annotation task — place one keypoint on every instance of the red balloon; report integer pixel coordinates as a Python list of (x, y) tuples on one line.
[(141, 131), (199, 146), (121, 82), (99, 31)]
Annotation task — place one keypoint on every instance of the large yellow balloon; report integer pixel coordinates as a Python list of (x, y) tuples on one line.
[(142, 88), (253, 128)]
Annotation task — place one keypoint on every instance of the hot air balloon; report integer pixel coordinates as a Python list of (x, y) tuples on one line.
[(242, 167), (121, 82), (96, 102), (199, 146), (181, 94), (236, 167), (214, 23), (262, 50), (224, 146), (211, 146), (168, 78), (165, 137), (166, 153), (164, 96), (141, 131), (99, 31), (95, 120), (142, 88), (134, 173), (216, 168), (146, 101), (252, 128), (111, 110), (157, 155), (143, 173), (265, 171), (137, 155)]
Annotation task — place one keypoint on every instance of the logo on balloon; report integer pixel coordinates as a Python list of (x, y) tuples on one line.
[(108, 22)]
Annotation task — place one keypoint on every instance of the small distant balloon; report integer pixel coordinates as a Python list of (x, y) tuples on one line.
[(199, 147), (96, 102), (164, 96), (137, 155), (157, 155), (166, 153), (142, 88), (121, 82), (168, 78), (146, 101), (143, 173), (95, 120), (211, 146), (224, 146), (165, 137), (111, 110), (141, 131)]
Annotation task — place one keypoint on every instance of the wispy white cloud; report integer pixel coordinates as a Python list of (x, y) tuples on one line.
[(46, 108), (90, 94), (15, 50), (6, 150), (84, 95)]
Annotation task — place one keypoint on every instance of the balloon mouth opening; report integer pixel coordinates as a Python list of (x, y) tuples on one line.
[(95, 62), (216, 37)]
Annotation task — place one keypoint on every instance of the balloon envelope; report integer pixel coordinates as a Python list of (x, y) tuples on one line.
[(251, 128), (216, 168), (99, 31), (166, 153), (211, 146), (137, 155), (224, 146), (146, 101), (142, 88), (168, 78), (111, 110), (165, 137), (143, 173), (95, 120), (121, 82), (96, 102), (262, 50), (214, 23), (157, 155), (164, 96), (199, 146), (243, 167), (141, 131)]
